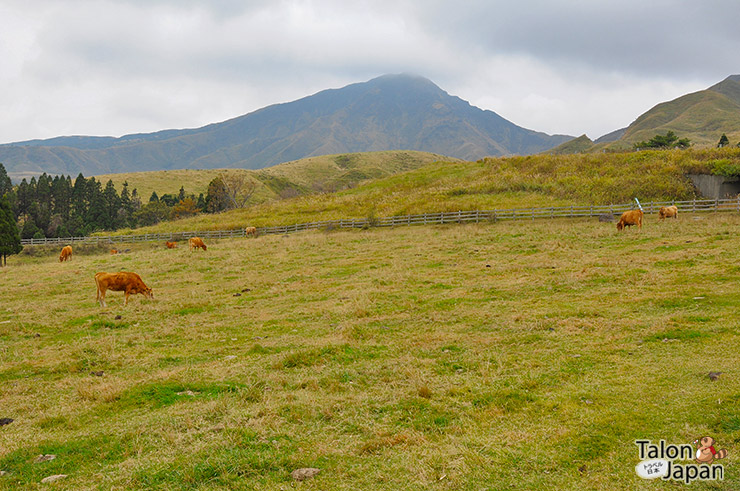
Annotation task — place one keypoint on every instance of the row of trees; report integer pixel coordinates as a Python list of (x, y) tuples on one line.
[(59, 206), (724, 142), (671, 140)]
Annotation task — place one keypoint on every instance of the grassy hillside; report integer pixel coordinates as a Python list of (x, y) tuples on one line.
[(702, 117), (577, 145), (527, 355), (510, 182), (328, 172)]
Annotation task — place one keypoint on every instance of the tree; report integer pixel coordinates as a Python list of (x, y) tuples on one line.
[(239, 188), (5, 184), (10, 239), (723, 141), (669, 140), (216, 199), (185, 208), (153, 197), (152, 213)]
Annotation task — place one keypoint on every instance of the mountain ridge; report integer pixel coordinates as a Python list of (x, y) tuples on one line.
[(390, 112)]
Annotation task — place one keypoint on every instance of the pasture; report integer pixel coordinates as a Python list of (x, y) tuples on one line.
[(510, 355)]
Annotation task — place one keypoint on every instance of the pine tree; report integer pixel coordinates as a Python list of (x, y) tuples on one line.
[(153, 197), (10, 239), (5, 184)]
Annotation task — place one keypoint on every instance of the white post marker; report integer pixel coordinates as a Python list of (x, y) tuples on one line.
[(638, 204)]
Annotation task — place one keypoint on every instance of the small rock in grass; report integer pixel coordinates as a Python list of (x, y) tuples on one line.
[(44, 458), (237, 294), (714, 375), (2, 473), (304, 473), (229, 357), (55, 477), (118, 317), (6, 421), (98, 374), (187, 393)]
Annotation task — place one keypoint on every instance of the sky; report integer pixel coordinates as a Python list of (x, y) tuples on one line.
[(110, 68)]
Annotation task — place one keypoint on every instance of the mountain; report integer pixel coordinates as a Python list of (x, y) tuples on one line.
[(582, 144), (701, 116), (392, 112)]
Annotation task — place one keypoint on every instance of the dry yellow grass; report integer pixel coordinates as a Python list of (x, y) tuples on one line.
[(514, 355)]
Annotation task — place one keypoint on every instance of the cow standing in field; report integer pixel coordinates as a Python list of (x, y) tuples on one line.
[(196, 242), (668, 212), (171, 245), (122, 281), (629, 218), (66, 254), (250, 231)]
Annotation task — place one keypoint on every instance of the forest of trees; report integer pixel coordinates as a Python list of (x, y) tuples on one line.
[(60, 206)]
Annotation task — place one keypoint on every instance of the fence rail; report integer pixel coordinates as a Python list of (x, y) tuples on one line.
[(693, 206)]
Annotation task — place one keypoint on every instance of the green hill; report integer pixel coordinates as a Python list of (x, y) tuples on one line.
[(314, 174), (702, 117), (494, 183), (577, 145)]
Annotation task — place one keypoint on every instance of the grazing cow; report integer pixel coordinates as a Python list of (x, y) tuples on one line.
[(629, 218), (196, 242), (113, 252), (250, 231), (668, 212), (120, 282), (65, 254), (171, 245)]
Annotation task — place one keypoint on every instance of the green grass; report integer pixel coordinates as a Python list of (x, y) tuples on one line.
[(510, 355), (500, 183), (313, 174)]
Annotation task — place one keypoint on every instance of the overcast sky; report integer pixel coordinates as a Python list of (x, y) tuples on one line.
[(97, 67)]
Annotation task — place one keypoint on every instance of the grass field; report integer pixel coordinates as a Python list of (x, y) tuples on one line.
[(326, 172), (510, 355)]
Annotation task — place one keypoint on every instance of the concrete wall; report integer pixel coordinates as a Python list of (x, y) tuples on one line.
[(716, 187)]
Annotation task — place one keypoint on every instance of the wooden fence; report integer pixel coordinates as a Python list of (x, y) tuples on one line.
[(476, 216)]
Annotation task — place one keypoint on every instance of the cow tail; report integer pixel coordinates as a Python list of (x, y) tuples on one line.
[(97, 285)]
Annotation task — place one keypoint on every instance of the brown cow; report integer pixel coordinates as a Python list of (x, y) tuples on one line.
[(113, 252), (120, 282), (629, 218), (250, 231), (668, 212), (196, 242), (171, 245), (65, 254)]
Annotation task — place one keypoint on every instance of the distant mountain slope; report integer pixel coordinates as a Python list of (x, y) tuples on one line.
[(392, 112), (700, 116), (577, 145)]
